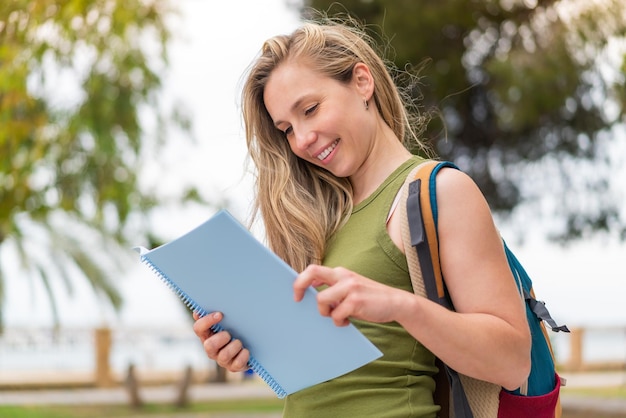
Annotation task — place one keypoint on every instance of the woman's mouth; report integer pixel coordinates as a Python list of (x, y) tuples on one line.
[(322, 155)]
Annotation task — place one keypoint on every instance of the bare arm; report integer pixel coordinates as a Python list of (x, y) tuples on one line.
[(487, 337)]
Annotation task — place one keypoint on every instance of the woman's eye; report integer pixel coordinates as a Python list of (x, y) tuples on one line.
[(310, 110), (288, 131)]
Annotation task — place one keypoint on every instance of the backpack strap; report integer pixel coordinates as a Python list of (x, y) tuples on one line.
[(421, 203), (420, 232), (537, 307)]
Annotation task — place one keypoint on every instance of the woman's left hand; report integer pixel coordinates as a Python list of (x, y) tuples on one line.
[(349, 295)]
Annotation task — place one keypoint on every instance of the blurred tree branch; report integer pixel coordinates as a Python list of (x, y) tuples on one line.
[(523, 87), (78, 79)]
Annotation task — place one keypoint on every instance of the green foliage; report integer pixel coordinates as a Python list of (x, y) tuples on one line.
[(519, 84), (68, 165)]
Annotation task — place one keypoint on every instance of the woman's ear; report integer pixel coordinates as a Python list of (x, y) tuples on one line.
[(363, 80)]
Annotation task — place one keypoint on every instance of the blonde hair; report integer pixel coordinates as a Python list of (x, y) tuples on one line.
[(303, 205)]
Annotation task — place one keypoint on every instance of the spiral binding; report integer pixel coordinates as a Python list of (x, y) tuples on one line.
[(263, 374), (191, 304)]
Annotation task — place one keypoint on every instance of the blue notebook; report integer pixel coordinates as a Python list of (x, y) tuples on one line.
[(220, 266)]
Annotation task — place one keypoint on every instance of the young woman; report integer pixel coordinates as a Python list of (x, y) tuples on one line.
[(326, 128)]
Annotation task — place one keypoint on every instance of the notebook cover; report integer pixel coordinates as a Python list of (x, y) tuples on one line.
[(221, 266)]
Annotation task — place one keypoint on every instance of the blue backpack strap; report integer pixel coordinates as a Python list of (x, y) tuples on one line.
[(537, 307), (433, 188), (541, 379), (421, 204), (426, 246)]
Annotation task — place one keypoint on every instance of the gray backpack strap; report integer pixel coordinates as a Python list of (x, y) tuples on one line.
[(468, 397)]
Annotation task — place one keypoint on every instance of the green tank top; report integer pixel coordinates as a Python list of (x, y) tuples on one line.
[(400, 383)]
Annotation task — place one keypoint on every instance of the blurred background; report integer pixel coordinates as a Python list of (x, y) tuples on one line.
[(120, 126)]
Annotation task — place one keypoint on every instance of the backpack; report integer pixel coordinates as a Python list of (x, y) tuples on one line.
[(461, 396)]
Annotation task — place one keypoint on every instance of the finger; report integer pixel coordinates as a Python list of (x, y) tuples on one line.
[(202, 326), (325, 303), (341, 313), (228, 354), (341, 301), (240, 362), (331, 298), (336, 307), (313, 275), (216, 343)]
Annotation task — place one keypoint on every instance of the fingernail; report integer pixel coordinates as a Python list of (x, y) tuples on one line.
[(216, 315)]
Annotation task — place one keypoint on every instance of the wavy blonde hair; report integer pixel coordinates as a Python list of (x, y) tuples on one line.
[(303, 205)]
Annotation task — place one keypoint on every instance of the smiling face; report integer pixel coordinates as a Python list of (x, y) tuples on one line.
[(325, 121)]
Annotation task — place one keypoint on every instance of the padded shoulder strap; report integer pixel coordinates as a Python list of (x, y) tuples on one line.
[(416, 235), (422, 218), (421, 245)]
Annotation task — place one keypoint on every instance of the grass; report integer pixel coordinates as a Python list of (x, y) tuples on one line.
[(600, 392), (206, 408), (240, 406)]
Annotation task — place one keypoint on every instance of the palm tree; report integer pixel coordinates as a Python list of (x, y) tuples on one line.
[(69, 165)]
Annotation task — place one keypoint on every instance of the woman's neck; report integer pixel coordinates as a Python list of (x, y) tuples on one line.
[(387, 155)]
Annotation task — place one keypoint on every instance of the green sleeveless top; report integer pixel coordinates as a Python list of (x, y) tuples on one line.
[(400, 383)]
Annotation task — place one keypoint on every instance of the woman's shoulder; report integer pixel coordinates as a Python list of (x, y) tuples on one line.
[(456, 185)]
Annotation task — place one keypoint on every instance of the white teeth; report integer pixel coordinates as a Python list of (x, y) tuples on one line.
[(327, 151)]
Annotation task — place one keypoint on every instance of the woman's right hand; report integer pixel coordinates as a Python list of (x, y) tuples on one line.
[(221, 347)]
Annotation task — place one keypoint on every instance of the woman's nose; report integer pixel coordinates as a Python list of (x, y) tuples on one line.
[(304, 138)]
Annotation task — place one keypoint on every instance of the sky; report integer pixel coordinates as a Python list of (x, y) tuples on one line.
[(214, 43)]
